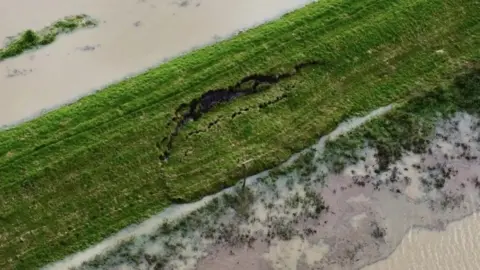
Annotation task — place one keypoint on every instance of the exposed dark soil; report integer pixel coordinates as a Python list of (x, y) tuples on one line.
[(249, 85)]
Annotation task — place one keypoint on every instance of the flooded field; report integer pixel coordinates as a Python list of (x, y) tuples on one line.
[(307, 215), (133, 35)]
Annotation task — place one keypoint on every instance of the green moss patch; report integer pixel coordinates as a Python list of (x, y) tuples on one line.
[(30, 39)]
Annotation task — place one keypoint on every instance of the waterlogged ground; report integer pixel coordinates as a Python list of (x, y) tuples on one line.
[(302, 215), (132, 36)]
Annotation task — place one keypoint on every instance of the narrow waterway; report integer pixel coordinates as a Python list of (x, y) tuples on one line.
[(133, 35)]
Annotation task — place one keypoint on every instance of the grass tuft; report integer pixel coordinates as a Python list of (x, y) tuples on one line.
[(29, 39)]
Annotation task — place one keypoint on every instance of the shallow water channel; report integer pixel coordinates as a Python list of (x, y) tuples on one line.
[(133, 35)]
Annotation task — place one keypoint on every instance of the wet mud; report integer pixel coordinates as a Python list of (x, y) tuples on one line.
[(248, 85)]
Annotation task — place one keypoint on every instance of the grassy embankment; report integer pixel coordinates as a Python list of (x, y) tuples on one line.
[(78, 174), (30, 39), (410, 126)]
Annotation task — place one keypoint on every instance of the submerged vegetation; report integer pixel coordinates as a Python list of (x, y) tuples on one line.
[(78, 174), (30, 39), (226, 220)]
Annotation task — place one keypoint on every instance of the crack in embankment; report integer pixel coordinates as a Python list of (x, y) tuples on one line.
[(251, 84), (239, 112)]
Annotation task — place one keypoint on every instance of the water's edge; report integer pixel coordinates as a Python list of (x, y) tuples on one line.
[(180, 210)]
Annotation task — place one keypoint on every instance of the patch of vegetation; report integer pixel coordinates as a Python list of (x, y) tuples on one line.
[(76, 175), (409, 127), (341, 152), (304, 164), (450, 201), (378, 232), (282, 229), (30, 39), (240, 201)]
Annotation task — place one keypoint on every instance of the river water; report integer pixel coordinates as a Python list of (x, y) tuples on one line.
[(133, 35), (455, 248)]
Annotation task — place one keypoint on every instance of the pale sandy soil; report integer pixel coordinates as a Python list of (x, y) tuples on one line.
[(133, 35), (397, 219), (455, 248)]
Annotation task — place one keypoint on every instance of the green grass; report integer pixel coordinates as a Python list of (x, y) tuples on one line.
[(409, 126), (30, 39), (72, 177)]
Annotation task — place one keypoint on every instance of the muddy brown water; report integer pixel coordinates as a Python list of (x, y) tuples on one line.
[(133, 35)]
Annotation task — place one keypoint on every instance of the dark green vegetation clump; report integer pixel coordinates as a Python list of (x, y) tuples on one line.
[(76, 175), (30, 39)]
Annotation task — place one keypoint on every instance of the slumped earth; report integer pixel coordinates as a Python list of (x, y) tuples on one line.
[(303, 215)]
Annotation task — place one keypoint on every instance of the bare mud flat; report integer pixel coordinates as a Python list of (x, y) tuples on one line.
[(418, 214), (132, 36)]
